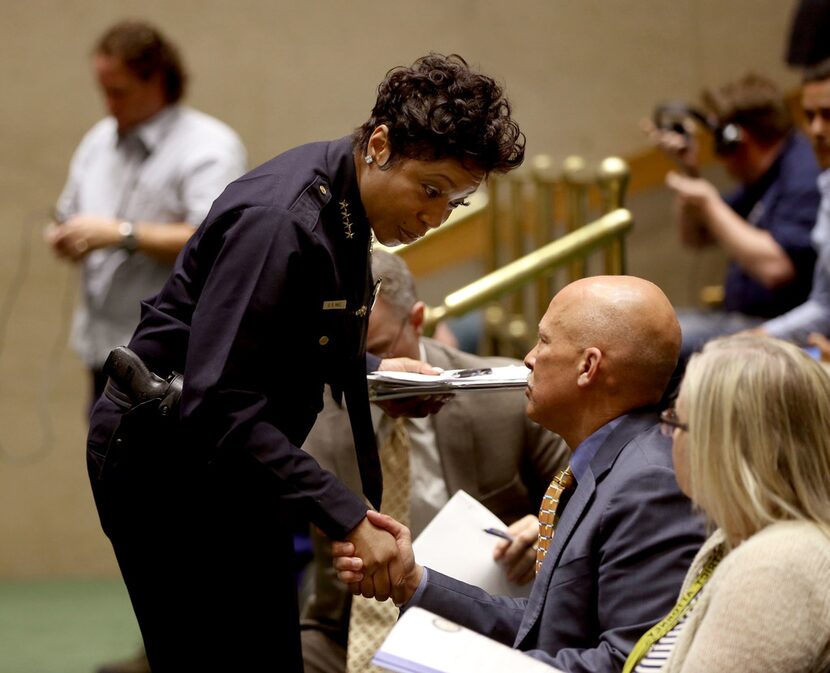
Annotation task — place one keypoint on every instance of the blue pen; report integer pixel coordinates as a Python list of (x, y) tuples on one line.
[(499, 533)]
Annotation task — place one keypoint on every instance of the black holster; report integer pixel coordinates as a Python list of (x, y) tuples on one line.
[(131, 383)]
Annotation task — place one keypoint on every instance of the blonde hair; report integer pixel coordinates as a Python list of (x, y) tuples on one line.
[(759, 434)]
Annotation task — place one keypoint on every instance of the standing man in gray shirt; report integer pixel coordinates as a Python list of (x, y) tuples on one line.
[(140, 182)]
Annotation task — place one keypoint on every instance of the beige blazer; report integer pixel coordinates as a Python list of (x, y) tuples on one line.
[(765, 608)]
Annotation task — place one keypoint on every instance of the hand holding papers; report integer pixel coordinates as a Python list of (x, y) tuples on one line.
[(422, 642), (455, 543), (416, 406), (384, 385)]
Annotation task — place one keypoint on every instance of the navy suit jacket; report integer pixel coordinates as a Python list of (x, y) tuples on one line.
[(614, 568)]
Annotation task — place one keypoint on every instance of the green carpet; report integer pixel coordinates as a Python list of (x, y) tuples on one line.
[(66, 626)]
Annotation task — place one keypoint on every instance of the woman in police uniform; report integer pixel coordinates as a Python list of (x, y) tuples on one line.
[(269, 301)]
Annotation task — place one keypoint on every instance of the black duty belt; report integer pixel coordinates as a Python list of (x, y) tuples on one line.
[(131, 383)]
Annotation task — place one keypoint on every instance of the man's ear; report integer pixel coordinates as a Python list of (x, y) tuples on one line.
[(589, 366), (416, 317), (378, 146)]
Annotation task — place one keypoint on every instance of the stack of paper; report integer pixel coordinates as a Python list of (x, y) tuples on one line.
[(422, 642), (387, 385), (455, 543)]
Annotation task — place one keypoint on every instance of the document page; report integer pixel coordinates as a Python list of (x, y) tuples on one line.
[(455, 543), (388, 385), (422, 642)]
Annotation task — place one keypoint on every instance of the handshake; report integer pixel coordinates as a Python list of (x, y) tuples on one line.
[(377, 560)]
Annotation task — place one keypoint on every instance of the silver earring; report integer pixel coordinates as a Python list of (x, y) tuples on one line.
[(368, 159)]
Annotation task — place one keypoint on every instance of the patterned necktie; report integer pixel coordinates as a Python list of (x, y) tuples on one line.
[(551, 510), (371, 621)]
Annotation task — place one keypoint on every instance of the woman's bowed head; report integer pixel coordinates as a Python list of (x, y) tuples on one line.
[(437, 130)]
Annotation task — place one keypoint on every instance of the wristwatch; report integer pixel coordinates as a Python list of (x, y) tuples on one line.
[(128, 240)]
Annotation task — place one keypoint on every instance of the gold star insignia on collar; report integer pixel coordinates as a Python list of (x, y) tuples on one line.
[(347, 218)]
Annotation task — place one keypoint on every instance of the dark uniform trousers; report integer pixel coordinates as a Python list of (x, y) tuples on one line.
[(194, 542)]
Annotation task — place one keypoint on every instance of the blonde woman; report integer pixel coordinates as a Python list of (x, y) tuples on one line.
[(751, 433)]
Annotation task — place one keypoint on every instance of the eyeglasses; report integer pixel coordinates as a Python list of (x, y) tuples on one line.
[(669, 423)]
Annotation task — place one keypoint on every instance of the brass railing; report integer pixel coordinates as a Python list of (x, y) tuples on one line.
[(532, 231), (532, 207), (610, 229)]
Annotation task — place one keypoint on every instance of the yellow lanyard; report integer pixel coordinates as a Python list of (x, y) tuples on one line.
[(670, 621)]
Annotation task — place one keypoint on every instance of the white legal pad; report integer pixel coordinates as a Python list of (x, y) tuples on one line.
[(422, 642), (387, 385), (454, 543)]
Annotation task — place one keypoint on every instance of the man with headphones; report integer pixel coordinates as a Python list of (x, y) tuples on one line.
[(764, 226)]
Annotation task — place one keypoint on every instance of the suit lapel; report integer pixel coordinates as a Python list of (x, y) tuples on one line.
[(630, 427), (574, 510)]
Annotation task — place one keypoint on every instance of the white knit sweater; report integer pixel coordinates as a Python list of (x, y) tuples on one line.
[(766, 608)]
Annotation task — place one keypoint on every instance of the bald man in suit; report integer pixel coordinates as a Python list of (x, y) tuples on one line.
[(607, 347)]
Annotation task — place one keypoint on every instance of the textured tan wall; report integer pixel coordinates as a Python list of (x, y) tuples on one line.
[(580, 73)]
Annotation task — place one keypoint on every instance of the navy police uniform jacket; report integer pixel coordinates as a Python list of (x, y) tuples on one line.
[(267, 302)]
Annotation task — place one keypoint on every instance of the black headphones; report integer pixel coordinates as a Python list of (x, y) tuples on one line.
[(670, 117)]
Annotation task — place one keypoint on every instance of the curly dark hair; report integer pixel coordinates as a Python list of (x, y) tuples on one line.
[(145, 52), (439, 108)]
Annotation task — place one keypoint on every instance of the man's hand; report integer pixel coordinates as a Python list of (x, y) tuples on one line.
[(352, 568), (413, 407), (519, 556), (81, 234), (377, 551), (408, 365), (693, 192), (681, 148)]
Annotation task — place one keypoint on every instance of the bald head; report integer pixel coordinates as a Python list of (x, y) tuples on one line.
[(607, 345), (631, 321)]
